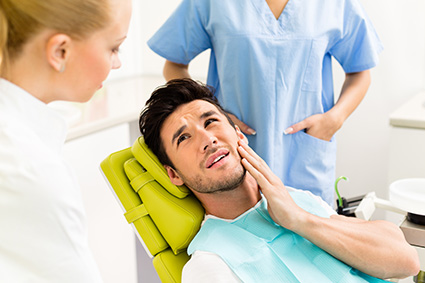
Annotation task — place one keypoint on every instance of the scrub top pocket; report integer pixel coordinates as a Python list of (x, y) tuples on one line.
[(312, 165), (313, 72)]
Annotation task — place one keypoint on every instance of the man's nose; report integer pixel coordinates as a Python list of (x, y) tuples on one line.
[(210, 141)]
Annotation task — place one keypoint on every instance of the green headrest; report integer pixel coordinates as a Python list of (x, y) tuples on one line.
[(151, 163), (165, 216)]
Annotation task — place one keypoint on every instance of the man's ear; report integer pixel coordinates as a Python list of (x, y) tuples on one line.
[(58, 49), (240, 135), (174, 176)]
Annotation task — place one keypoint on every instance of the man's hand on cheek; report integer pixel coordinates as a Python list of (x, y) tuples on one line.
[(281, 206)]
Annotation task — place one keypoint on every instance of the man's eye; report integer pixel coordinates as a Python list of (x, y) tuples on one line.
[(209, 121), (181, 138)]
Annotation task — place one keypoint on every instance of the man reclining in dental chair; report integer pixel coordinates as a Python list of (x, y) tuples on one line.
[(255, 228)]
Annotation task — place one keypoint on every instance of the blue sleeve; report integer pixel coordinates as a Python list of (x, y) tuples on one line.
[(183, 36), (358, 48)]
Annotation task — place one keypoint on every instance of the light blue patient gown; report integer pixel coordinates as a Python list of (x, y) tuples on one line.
[(274, 73)]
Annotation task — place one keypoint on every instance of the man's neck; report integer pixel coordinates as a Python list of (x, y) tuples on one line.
[(231, 204)]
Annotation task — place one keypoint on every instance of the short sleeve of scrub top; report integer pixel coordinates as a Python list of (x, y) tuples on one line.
[(176, 42), (359, 46)]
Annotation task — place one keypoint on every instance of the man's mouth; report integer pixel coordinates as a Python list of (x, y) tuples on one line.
[(214, 159)]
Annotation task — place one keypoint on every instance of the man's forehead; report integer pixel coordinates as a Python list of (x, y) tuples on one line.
[(194, 110)]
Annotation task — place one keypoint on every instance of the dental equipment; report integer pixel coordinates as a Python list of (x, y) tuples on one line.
[(407, 197)]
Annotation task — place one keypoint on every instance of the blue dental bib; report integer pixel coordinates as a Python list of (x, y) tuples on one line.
[(259, 250)]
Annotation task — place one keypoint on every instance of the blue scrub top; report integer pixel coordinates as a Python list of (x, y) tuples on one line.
[(274, 73)]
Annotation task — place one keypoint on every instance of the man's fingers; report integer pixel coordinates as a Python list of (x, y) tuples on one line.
[(250, 154), (256, 162), (258, 176)]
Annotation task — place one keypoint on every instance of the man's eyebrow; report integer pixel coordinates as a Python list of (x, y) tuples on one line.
[(208, 114), (178, 132)]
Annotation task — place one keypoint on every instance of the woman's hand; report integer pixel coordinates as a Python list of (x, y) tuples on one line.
[(324, 126), (244, 127), (321, 126)]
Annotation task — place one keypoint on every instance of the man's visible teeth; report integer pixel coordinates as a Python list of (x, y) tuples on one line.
[(218, 158)]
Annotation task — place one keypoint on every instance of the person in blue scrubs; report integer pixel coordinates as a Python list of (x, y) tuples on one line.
[(271, 66)]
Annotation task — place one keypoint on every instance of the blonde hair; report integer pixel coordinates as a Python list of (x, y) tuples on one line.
[(22, 19)]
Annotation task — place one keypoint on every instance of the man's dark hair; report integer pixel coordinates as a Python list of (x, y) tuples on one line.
[(163, 102)]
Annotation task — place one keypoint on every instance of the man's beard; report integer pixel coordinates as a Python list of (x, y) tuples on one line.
[(200, 185)]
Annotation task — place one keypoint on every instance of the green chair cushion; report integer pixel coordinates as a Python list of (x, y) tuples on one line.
[(177, 219)]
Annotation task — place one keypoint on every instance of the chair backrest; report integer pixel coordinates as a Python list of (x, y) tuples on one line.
[(165, 217)]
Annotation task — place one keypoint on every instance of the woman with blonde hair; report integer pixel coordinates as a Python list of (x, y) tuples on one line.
[(49, 50)]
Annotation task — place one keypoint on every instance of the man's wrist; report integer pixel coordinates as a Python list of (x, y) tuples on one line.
[(303, 223)]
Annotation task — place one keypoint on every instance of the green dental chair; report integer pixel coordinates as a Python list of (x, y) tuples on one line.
[(165, 217)]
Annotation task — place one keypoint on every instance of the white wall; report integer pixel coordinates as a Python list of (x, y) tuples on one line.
[(154, 14), (363, 142)]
